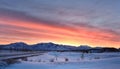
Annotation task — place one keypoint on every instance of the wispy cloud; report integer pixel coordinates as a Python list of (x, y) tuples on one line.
[(72, 22)]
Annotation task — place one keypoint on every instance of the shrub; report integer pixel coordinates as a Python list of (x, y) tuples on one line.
[(52, 60), (97, 58), (66, 59)]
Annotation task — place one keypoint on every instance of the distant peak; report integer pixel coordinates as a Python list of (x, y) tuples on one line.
[(19, 43)]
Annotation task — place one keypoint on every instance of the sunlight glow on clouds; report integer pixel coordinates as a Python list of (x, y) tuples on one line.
[(71, 22)]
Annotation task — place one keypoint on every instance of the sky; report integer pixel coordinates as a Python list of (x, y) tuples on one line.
[(69, 22)]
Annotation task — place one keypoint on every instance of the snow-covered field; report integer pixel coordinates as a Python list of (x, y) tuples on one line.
[(70, 60)]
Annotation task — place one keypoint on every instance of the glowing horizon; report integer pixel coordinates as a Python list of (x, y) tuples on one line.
[(93, 23)]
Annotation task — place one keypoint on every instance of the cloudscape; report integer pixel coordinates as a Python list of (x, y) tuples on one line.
[(69, 22)]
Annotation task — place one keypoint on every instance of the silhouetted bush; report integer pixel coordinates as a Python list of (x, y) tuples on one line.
[(51, 60), (66, 59)]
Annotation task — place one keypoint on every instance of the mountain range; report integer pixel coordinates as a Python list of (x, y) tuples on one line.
[(54, 47)]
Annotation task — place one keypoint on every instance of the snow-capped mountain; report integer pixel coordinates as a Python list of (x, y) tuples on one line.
[(49, 46), (39, 46), (17, 46), (84, 47), (55, 47)]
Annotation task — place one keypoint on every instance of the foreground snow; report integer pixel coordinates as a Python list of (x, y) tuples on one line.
[(71, 57), (75, 61)]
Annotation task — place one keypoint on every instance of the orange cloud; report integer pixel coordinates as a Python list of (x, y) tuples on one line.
[(33, 32)]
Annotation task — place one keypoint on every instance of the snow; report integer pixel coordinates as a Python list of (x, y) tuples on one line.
[(72, 56), (76, 60)]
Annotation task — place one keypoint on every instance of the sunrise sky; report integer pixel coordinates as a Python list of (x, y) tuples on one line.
[(69, 22)]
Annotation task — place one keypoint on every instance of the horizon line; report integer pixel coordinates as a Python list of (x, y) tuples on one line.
[(62, 44)]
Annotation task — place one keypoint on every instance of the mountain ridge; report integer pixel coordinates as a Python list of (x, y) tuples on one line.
[(53, 47)]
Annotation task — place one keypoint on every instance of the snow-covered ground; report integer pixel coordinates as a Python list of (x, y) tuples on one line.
[(71, 57), (70, 60)]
